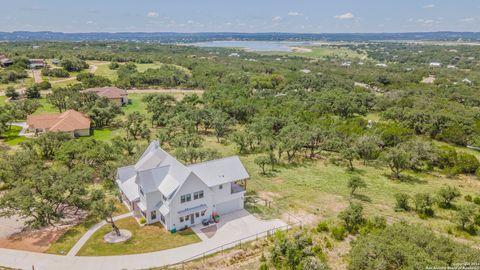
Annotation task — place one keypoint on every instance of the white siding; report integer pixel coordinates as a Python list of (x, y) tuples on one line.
[(191, 185)]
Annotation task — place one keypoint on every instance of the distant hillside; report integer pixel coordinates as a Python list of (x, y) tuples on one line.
[(169, 37)]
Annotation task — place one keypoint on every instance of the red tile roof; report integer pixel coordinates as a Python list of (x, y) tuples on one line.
[(65, 122)]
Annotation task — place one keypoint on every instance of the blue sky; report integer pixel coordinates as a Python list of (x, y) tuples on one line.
[(312, 16)]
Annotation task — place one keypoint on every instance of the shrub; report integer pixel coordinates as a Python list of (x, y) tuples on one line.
[(113, 66), (322, 227), (402, 201), (476, 200), (403, 246), (142, 220), (44, 85), (352, 217), (468, 198), (446, 195), (338, 233), (423, 205)]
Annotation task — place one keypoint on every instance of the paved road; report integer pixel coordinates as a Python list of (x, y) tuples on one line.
[(235, 226), (76, 248), (37, 75)]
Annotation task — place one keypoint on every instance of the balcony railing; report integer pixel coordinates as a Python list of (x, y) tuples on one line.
[(237, 188)]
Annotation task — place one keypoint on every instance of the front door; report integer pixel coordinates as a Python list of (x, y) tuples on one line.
[(192, 219)]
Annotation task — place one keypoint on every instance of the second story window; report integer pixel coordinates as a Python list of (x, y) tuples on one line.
[(198, 195), (220, 187), (185, 198)]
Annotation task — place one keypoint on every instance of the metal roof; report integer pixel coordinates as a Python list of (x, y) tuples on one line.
[(220, 171)]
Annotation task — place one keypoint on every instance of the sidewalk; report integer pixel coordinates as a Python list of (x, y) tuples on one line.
[(76, 248)]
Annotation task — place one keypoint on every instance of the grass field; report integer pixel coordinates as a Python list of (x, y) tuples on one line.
[(11, 136), (317, 190), (322, 52), (144, 239)]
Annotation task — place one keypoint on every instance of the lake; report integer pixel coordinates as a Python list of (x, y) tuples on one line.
[(258, 46)]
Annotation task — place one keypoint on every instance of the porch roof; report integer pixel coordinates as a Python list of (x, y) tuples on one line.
[(191, 210)]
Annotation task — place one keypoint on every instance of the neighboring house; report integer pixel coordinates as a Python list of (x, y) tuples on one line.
[(116, 95), (37, 63), (56, 61), (435, 64), (381, 65), (161, 189), (72, 122), (4, 61)]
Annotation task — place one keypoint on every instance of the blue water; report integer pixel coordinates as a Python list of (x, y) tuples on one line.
[(258, 46)]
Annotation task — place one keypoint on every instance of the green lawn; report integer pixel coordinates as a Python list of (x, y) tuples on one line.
[(11, 136), (3, 100), (73, 234), (144, 239)]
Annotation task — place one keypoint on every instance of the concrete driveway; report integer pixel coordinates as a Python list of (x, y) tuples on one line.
[(234, 227)]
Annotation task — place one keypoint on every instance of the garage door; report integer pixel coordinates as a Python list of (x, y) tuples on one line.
[(229, 206)]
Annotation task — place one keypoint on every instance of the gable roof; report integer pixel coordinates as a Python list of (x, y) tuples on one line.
[(108, 92), (67, 121), (157, 170), (220, 171)]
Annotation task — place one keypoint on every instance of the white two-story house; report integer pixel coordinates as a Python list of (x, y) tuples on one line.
[(162, 189)]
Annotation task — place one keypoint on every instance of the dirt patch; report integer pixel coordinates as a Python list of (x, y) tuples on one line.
[(268, 196), (34, 240), (38, 240), (429, 79), (210, 231)]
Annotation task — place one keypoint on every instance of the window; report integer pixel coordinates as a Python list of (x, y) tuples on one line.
[(164, 198), (198, 195), (181, 219), (203, 212), (153, 215), (187, 217), (141, 191), (197, 214), (162, 218), (185, 198), (220, 187)]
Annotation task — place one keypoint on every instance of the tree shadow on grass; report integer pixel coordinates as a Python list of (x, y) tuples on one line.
[(361, 197), (408, 179)]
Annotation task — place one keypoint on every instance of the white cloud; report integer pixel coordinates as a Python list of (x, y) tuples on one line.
[(426, 21), (346, 16), (90, 22), (294, 13), (467, 20), (152, 14), (429, 6), (276, 19)]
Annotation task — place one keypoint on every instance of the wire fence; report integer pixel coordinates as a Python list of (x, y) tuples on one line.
[(239, 242)]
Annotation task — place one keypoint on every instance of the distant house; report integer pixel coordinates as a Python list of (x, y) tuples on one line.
[(116, 95), (346, 64), (56, 61), (72, 122), (161, 189), (4, 61), (451, 67), (37, 63), (381, 65), (234, 55), (435, 64)]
